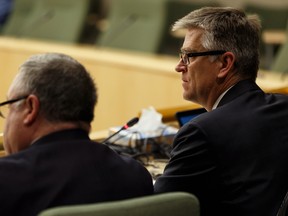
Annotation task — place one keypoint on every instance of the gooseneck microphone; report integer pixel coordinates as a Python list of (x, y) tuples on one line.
[(129, 124)]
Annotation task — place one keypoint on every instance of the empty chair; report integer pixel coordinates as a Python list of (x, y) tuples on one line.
[(48, 19), (280, 63), (17, 17), (168, 204), (134, 25)]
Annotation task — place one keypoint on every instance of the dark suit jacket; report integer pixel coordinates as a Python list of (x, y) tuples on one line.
[(67, 168), (234, 158)]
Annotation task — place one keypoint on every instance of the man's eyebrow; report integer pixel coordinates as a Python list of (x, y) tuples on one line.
[(187, 50)]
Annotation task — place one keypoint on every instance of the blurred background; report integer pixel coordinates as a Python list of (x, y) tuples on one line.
[(138, 25)]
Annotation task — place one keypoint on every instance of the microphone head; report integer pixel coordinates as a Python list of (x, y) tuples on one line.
[(132, 122)]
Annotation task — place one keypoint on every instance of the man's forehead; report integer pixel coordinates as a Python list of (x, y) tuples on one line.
[(192, 44)]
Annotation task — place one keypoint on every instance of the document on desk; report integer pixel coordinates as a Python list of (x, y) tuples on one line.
[(131, 137)]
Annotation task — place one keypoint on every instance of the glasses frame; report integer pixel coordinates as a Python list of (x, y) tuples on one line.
[(10, 102), (184, 56)]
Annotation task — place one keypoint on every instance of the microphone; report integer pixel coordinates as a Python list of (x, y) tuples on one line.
[(129, 124)]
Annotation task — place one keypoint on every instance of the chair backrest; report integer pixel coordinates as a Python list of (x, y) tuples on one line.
[(48, 19), (20, 12), (134, 25), (280, 61), (168, 204)]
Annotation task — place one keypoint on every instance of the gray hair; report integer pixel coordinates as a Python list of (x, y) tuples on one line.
[(228, 29), (66, 91)]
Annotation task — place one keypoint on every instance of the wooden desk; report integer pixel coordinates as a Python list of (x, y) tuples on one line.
[(274, 36), (127, 81), (271, 81)]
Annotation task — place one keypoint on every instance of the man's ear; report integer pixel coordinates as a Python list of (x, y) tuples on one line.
[(32, 106), (227, 63)]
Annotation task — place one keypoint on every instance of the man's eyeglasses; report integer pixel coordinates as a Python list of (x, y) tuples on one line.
[(4, 108), (185, 56)]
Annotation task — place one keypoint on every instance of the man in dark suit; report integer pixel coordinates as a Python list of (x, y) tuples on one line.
[(51, 160), (234, 157)]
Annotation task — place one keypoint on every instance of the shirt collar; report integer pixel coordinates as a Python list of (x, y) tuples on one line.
[(220, 97)]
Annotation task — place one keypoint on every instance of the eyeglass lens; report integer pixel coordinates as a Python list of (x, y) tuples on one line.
[(184, 58)]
